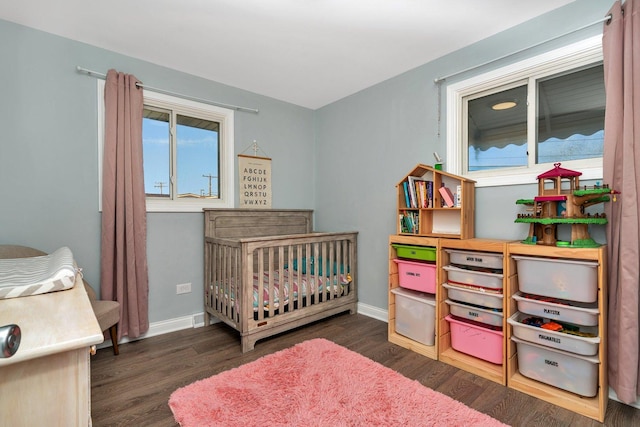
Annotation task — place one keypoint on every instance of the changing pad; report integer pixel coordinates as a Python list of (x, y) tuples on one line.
[(37, 275)]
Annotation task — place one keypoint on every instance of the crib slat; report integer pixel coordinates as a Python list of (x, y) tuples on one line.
[(226, 286), (306, 299), (298, 275), (317, 285), (227, 290), (208, 280), (322, 270), (285, 292), (260, 283), (233, 285), (331, 274), (219, 277), (343, 265), (271, 297)]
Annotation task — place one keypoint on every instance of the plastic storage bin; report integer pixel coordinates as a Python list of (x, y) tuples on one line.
[(476, 341), (418, 253), (561, 310), (415, 315), (476, 259), (418, 276), (571, 372), (477, 314), (586, 346), (476, 296), (558, 278), (474, 278)]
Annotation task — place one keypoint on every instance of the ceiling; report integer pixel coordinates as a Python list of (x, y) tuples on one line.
[(307, 52)]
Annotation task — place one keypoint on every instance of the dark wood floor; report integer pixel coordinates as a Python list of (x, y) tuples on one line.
[(133, 389)]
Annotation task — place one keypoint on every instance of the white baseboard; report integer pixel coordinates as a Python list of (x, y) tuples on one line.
[(375, 312), (614, 396), (197, 321), (164, 327)]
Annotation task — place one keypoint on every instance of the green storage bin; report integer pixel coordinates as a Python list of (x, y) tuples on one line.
[(419, 253)]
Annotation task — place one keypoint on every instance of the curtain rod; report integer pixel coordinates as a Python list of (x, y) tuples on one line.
[(440, 79), (166, 92)]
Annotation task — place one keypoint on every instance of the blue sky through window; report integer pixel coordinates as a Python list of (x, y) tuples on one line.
[(197, 155)]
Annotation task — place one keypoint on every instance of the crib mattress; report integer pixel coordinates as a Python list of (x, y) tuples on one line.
[(21, 277), (301, 284)]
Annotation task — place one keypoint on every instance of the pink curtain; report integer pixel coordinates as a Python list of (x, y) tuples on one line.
[(124, 275), (621, 47)]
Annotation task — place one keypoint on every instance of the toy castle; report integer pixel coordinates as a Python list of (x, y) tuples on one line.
[(560, 200)]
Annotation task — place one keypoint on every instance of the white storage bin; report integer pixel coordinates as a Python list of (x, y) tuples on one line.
[(558, 278), (476, 259), (476, 296), (564, 311), (571, 372), (474, 278), (585, 346), (415, 315), (477, 314)]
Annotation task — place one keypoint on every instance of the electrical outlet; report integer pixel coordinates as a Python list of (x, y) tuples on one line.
[(183, 288)]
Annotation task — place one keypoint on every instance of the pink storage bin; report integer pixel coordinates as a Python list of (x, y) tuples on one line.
[(476, 341), (418, 276)]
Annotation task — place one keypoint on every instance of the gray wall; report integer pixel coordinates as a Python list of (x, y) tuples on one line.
[(343, 160), (49, 158), (372, 139)]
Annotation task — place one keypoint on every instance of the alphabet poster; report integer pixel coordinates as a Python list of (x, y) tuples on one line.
[(254, 181)]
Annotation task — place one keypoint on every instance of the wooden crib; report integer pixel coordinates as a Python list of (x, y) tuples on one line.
[(267, 272)]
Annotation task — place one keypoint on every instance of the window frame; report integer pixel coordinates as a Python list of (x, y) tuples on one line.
[(226, 173), (571, 57)]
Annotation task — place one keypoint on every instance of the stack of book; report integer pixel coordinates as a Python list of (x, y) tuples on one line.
[(409, 222), (418, 193)]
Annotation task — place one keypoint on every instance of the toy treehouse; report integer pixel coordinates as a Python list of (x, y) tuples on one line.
[(560, 200)]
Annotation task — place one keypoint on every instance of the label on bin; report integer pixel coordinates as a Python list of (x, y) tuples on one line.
[(548, 338), (551, 363)]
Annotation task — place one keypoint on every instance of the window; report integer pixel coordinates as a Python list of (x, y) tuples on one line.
[(188, 153), (509, 125)]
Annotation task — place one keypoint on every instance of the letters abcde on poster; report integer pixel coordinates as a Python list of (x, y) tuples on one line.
[(254, 181)]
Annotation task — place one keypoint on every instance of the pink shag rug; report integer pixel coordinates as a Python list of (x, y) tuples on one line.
[(317, 383)]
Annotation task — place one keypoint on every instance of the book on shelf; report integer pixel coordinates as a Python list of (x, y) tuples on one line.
[(406, 194), (401, 225), (413, 196), (429, 194), (422, 185), (447, 197), (408, 223)]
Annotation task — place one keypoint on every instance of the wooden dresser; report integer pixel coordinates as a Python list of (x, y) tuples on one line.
[(48, 380)]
